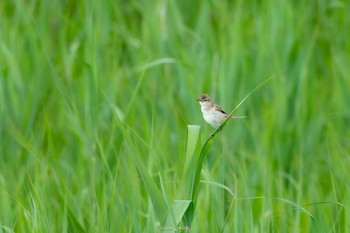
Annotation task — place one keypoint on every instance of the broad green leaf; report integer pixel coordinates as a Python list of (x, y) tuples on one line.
[(192, 157), (177, 212), (193, 142)]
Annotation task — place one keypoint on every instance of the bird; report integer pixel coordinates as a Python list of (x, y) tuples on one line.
[(213, 114)]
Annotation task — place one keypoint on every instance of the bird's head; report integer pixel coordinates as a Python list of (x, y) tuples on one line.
[(205, 100)]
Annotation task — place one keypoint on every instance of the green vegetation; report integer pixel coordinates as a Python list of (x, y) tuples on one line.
[(96, 96)]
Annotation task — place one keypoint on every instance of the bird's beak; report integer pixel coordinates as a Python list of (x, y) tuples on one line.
[(198, 100)]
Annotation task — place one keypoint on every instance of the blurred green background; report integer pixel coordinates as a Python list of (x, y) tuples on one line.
[(68, 68)]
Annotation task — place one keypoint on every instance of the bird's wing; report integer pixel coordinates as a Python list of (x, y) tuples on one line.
[(218, 108)]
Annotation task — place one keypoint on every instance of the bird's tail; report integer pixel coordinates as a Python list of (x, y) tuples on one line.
[(239, 117)]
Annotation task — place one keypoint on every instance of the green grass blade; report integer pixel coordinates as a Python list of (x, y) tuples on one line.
[(295, 205), (219, 185), (153, 191), (240, 103)]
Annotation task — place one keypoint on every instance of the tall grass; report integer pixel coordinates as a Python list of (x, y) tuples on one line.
[(87, 87)]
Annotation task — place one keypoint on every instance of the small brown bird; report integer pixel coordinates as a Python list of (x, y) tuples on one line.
[(213, 114)]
